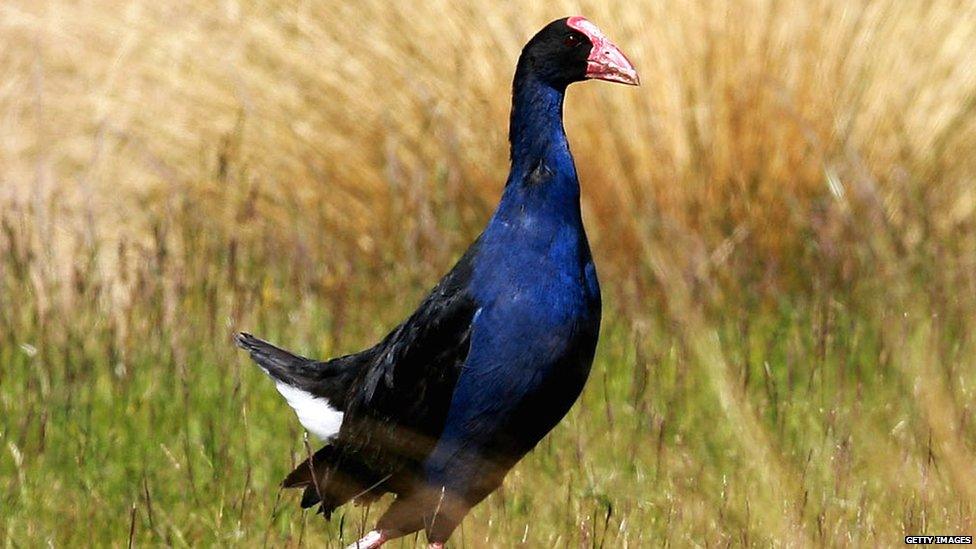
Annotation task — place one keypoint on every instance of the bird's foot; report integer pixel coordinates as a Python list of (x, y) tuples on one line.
[(437, 545), (371, 540)]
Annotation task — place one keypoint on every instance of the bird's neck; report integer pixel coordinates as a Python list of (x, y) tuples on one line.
[(542, 196), (536, 129), (543, 176)]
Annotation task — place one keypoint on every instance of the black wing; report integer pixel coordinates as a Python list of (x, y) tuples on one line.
[(396, 403), (397, 408)]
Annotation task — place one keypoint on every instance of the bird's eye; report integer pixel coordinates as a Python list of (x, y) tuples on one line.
[(572, 40)]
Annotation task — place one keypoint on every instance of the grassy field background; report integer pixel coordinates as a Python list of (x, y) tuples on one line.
[(783, 217)]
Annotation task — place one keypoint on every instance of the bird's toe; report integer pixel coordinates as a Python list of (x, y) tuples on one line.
[(371, 540)]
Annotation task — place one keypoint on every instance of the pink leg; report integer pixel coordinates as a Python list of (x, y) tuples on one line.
[(371, 540), (438, 545)]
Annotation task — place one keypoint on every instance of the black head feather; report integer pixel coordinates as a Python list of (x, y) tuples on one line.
[(557, 55)]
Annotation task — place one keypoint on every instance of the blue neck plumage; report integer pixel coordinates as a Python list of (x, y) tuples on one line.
[(538, 142), (536, 124)]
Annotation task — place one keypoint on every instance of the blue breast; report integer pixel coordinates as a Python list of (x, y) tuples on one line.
[(538, 299)]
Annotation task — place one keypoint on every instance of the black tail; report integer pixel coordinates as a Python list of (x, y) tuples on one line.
[(279, 363), (325, 379), (328, 477)]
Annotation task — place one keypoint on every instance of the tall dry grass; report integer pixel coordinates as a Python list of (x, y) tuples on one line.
[(766, 122), (783, 219)]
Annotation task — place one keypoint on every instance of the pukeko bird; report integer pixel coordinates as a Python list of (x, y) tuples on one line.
[(440, 409)]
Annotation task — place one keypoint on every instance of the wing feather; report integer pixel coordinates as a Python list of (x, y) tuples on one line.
[(396, 411)]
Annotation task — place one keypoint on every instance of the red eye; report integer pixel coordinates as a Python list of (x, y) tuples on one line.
[(572, 40)]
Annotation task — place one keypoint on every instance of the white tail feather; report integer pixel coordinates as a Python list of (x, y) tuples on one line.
[(315, 414)]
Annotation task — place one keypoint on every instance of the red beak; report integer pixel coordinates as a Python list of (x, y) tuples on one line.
[(606, 61)]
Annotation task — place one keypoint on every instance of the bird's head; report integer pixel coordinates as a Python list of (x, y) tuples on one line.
[(573, 49)]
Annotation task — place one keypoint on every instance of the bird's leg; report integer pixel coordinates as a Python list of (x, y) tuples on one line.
[(436, 545), (372, 540)]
